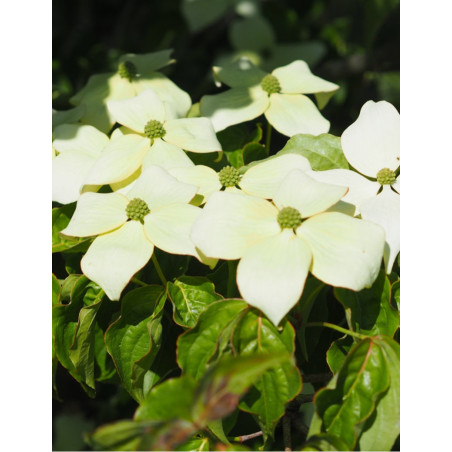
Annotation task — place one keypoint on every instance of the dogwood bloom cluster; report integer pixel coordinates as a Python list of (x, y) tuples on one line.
[(372, 146), (278, 217), (281, 96)]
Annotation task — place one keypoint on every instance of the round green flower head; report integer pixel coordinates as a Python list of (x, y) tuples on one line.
[(127, 70), (289, 218), (229, 176), (154, 129), (270, 84), (386, 176), (137, 209)]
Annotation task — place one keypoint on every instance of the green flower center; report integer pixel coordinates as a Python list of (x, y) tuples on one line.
[(137, 209), (154, 129), (270, 84), (386, 176), (289, 218), (229, 176), (127, 70)]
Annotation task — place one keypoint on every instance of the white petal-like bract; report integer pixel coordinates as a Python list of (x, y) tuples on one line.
[(346, 252), (290, 114), (97, 213), (113, 258), (372, 142), (271, 274), (231, 222), (384, 209)]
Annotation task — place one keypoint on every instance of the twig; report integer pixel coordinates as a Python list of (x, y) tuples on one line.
[(243, 438), (286, 433)]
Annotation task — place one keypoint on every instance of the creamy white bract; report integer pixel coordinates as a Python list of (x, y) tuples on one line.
[(372, 146), (279, 95), (275, 259), (124, 244)]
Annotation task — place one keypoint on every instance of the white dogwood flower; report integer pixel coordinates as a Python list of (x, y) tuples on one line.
[(372, 146), (279, 243), (261, 179), (281, 96), (155, 212), (135, 73), (147, 118)]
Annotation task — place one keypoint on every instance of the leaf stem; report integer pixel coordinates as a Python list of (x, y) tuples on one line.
[(159, 270), (140, 283), (268, 138), (337, 328)]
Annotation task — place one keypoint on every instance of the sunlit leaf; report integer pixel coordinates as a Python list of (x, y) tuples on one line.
[(324, 151), (190, 296)]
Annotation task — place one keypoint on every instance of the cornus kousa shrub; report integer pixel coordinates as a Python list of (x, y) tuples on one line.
[(209, 275)]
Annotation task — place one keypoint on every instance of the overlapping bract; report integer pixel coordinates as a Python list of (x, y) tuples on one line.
[(280, 218)]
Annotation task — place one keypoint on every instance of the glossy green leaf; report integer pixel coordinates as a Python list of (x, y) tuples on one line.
[(369, 311), (134, 339), (216, 428), (60, 219), (227, 380), (337, 353), (395, 288), (382, 429), (171, 399), (82, 350), (325, 442), (73, 331), (269, 395), (56, 290), (324, 151), (210, 336), (351, 397), (190, 296)]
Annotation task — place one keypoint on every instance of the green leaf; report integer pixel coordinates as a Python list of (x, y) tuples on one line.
[(395, 289), (210, 336), (338, 351), (227, 380), (169, 400), (235, 139), (82, 350), (122, 435), (253, 152), (324, 151), (196, 444), (269, 395), (253, 33), (73, 330), (214, 160), (56, 290), (382, 430), (134, 339), (190, 296), (325, 442), (60, 219), (201, 13), (370, 312), (351, 397), (216, 428)]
